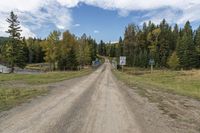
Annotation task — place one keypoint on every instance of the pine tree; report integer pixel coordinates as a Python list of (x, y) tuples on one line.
[(130, 42), (186, 48), (15, 47), (102, 48), (175, 35), (121, 47), (197, 45), (164, 43), (93, 48), (158, 42), (72, 63)]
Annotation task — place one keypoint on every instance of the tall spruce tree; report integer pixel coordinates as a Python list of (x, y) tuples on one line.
[(15, 46), (102, 48), (165, 42), (72, 63), (186, 48), (130, 43), (120, 47), (197, 45), (175, 34)]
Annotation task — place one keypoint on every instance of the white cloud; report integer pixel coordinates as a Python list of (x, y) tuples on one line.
[(69, 3), (96, 31), (22, 5), (37, 14), (191, 13), (190, 8), (169, 14), (27, 33), (132, 4), (76, 25)]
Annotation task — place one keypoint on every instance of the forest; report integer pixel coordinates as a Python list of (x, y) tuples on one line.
[(63, 51), (170, 47)]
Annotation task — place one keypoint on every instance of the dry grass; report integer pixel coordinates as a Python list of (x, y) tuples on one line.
[(18, 88), (180, 82)]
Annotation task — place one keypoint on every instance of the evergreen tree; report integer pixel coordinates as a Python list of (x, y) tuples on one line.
[(159, 42), (174, 40), (15, 50), (164, 43), (93, 48), (121, 47), (186, 48), (72, 63), (102, 48), (130, 42), (197, 45)]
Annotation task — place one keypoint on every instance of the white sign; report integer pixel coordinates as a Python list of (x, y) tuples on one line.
[(122, 61)]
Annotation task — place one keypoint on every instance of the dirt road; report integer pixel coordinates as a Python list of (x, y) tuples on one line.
[(91, 104)]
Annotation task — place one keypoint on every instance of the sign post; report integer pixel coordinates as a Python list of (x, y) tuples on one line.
[(151, 62), (122, 62)]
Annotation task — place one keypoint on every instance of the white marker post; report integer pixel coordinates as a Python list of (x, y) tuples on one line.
[(122, 61)]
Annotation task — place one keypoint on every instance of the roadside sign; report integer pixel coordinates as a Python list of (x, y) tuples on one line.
[(151, 62), (122, 61)]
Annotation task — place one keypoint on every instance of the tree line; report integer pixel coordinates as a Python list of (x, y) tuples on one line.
[(170, 47), (63, 51)]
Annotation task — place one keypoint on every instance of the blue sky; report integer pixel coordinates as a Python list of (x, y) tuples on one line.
[(102, 19), (99, 23)]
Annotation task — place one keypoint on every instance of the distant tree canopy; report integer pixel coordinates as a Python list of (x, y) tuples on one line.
[(62, 54), (169, 46)]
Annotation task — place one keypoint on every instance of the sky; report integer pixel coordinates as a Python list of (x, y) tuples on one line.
[(101, 19)]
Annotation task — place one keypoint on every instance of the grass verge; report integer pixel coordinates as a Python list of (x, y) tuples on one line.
[(43, 78), (10, 97), (185, 83), (19, 88)]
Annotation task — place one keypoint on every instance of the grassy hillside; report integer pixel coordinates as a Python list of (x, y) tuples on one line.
[(180, 82)]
